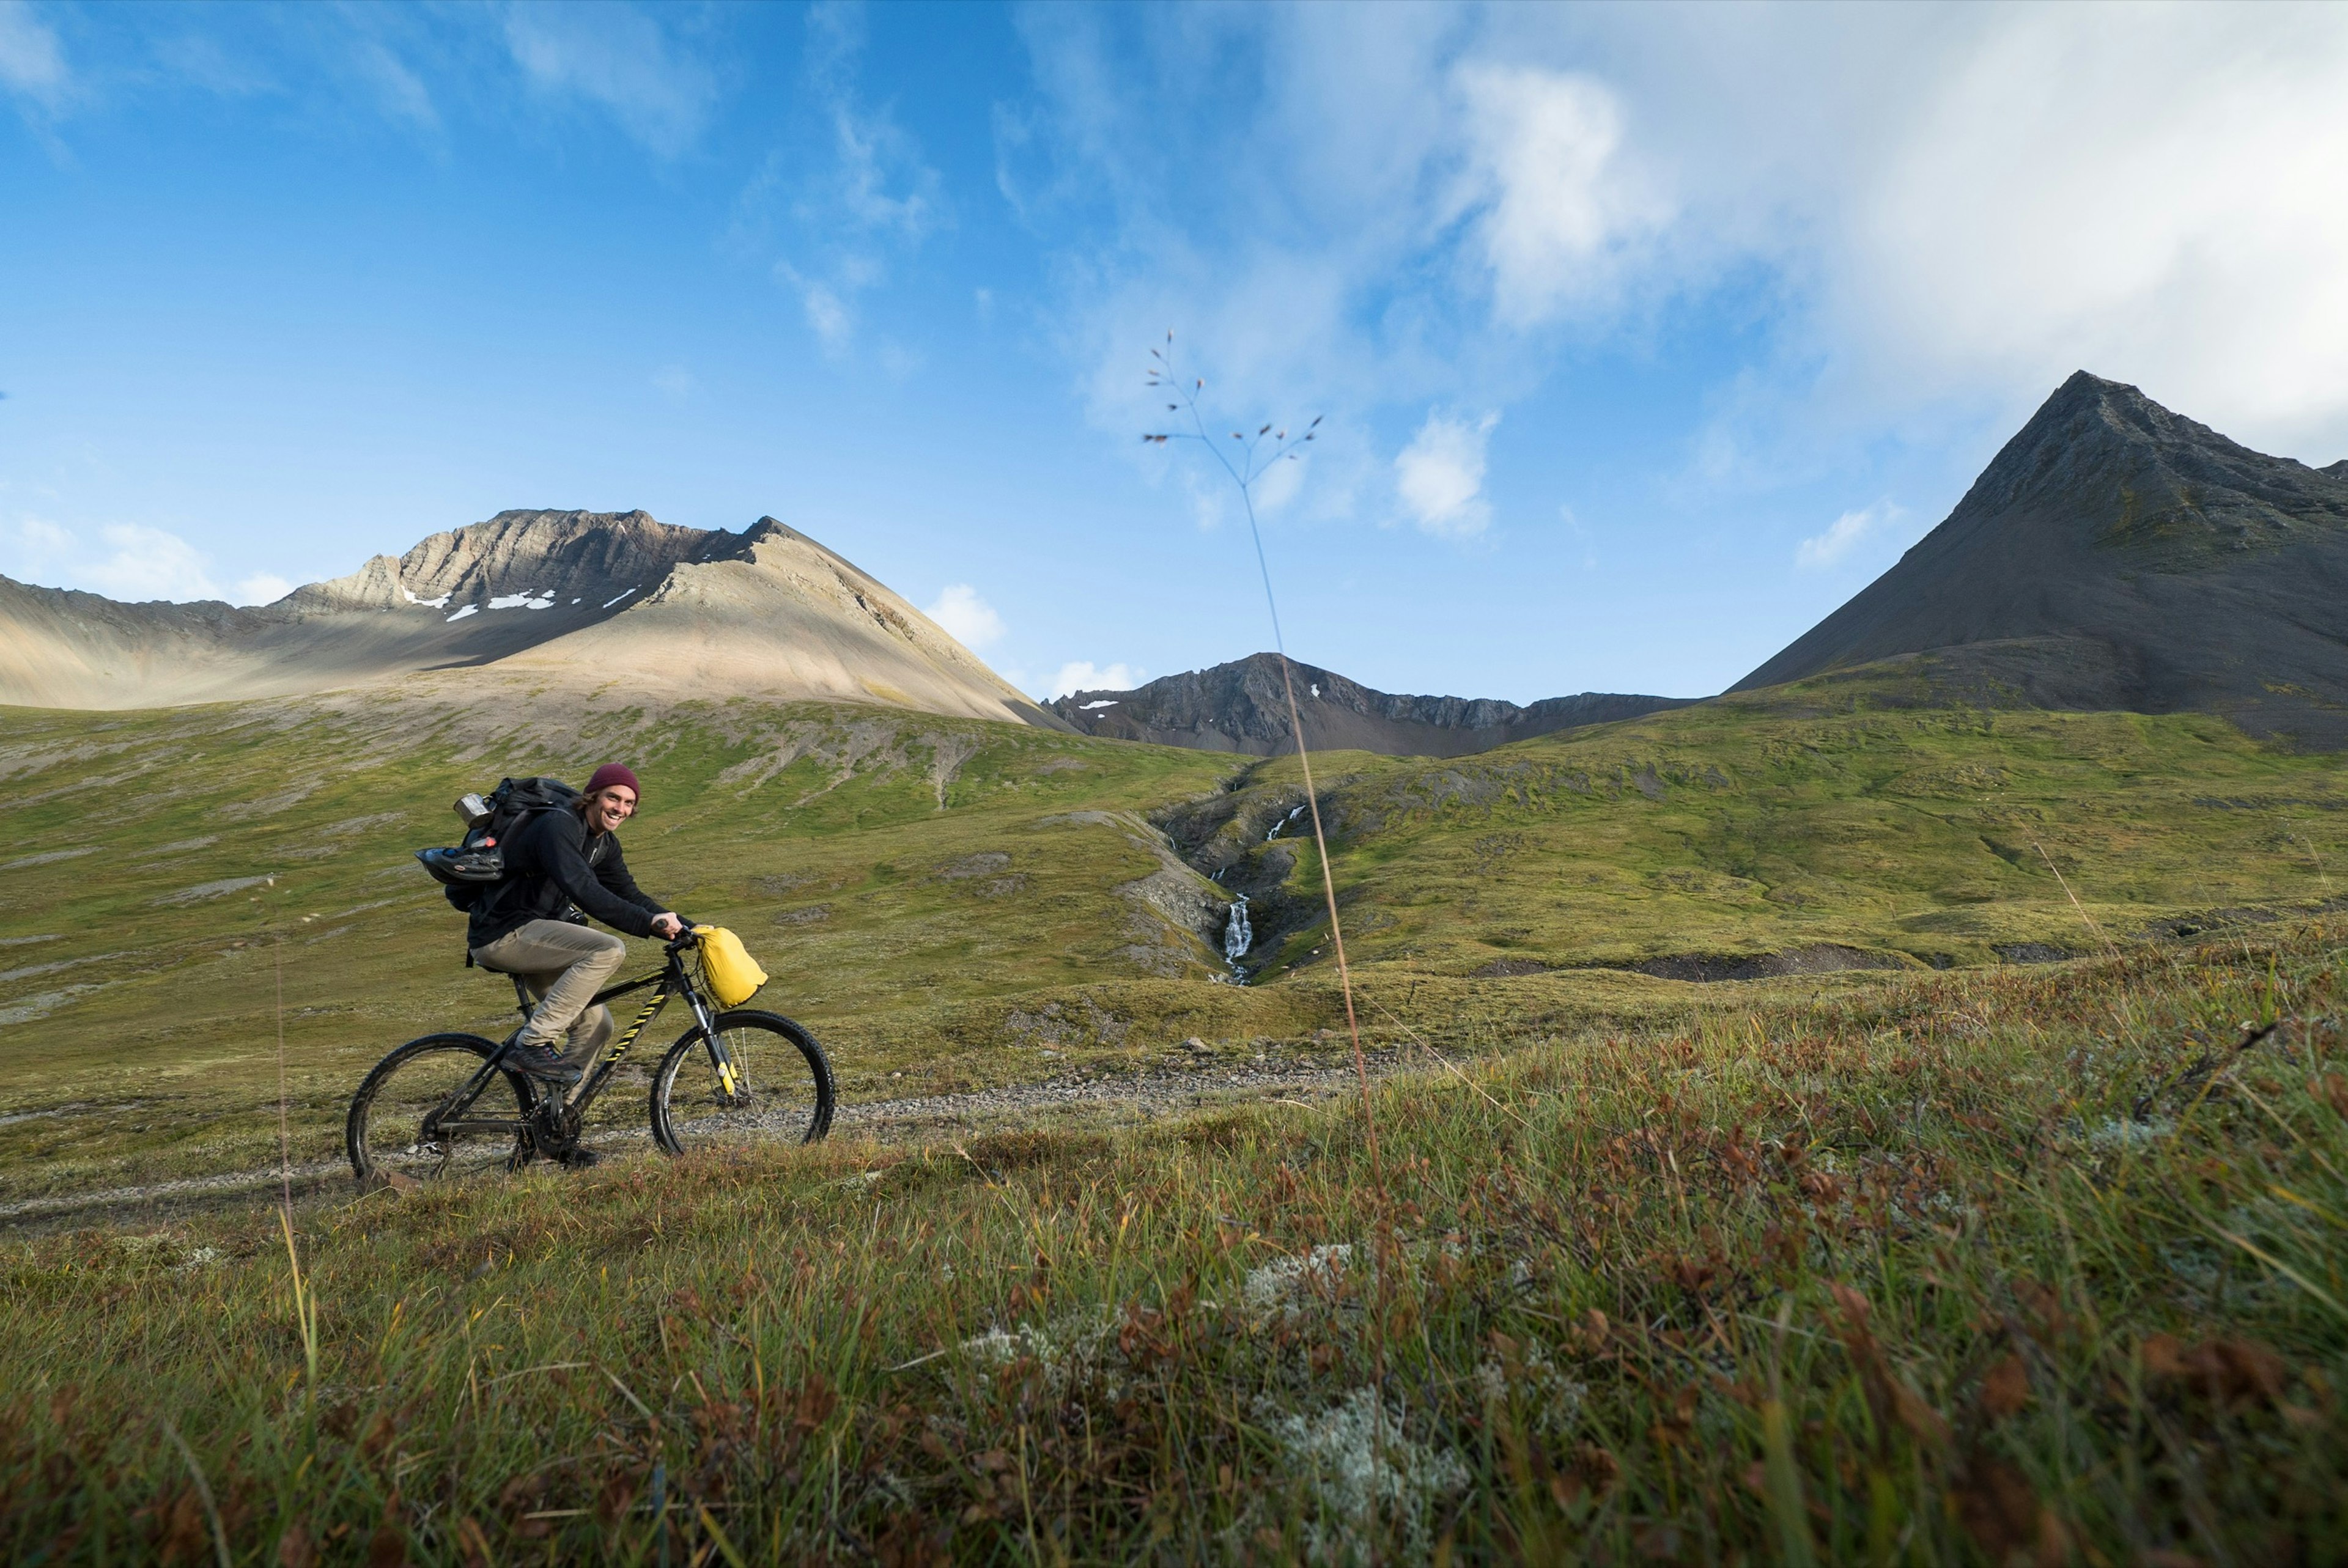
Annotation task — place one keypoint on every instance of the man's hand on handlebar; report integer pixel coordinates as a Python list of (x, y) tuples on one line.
[(667, 927)]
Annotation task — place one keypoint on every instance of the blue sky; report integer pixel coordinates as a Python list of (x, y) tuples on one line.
[(1642, 337)]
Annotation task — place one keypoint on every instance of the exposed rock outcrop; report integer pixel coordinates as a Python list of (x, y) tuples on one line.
[(552, 599)]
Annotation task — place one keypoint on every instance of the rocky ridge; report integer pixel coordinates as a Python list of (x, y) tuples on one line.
[(560, 599), (1241, 707)]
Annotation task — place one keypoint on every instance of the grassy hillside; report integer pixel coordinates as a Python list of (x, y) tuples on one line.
[(2000, 1265), (170, 871), (1758, 824), (955, 903)]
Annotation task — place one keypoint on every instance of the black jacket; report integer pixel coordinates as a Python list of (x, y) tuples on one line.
[(556, 865)]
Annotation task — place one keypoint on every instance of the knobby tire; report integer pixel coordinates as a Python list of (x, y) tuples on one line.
[(382, 1132), (789, 1085)]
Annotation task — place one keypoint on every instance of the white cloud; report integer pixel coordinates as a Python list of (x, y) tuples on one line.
[(1440, 476), (827, 315), (141, 563), (872, 150), (673, 382), (1921, 218), (42, 542), (1545, 152), (622, 60), (873, 195), (2029, 217), (1844, 534), (149, 563), (1083, 675), (965, 617), (32, 61), (1427, 230), (128, 561), (261, 588), (401, 91)]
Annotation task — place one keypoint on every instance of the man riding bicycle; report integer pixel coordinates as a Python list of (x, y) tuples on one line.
[(565, 865)]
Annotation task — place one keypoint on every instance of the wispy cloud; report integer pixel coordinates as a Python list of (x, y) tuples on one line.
[(374, 48), (142, 563), (1084, 675), (829, 316), (203, 61), (133, 563), (32, 60), (870, 198), (1846, 534), (674, 381), (126, 561), (623, 61), (1440, 476), (965, 617)]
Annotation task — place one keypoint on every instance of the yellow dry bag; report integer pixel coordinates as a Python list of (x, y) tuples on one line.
[(734, 975)]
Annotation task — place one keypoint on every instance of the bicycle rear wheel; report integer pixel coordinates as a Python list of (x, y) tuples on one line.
[(409, 1122), (764, 1079)]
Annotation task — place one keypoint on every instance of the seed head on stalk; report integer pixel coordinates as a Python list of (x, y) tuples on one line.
[(1246, 461)]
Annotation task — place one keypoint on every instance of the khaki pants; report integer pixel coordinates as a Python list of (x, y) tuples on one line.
[(562, 966)]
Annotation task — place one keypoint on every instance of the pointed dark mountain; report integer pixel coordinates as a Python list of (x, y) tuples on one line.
[(1239, 707), (2117, 556)]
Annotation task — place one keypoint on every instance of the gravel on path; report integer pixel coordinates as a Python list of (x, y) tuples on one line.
[(1145, 1095)]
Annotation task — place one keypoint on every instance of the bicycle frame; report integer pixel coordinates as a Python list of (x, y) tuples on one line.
[(672, 981)]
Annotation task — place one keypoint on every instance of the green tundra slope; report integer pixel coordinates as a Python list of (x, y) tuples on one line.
[(1832, 823), (954, 904)]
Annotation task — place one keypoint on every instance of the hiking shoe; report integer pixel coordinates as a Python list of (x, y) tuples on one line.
[(579, 1159), (540, 1061)]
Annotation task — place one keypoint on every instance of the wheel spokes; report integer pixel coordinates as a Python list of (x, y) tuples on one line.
[(430, 1121), (751, 1083)]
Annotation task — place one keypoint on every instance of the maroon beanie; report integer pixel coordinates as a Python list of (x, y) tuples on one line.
[(612, 774)]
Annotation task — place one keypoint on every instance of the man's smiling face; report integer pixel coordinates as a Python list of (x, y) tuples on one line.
[(610, 806)]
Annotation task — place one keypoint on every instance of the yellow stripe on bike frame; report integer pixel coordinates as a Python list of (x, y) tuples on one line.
[(620, 1047)]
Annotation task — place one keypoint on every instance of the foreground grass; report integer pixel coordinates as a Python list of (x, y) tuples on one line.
[(1955, 1267)]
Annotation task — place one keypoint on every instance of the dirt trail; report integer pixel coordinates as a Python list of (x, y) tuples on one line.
[(921, 1119)]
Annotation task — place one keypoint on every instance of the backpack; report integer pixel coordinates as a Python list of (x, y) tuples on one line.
[(471, 868)]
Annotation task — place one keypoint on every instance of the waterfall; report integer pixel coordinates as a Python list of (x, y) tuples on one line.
[(1281, 825), (1238, 936)]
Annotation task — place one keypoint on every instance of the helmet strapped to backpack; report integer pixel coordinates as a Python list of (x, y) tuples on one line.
[(480, 861)]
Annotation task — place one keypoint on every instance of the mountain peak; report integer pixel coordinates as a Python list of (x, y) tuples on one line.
[(1243, 706), (545, 596), (2131, 557)]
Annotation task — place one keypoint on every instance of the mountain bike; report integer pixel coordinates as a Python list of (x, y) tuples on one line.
[(451, 1105)]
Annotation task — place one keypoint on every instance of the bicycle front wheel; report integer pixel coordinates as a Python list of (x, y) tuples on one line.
[(427, 1113), (760, 1078)]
